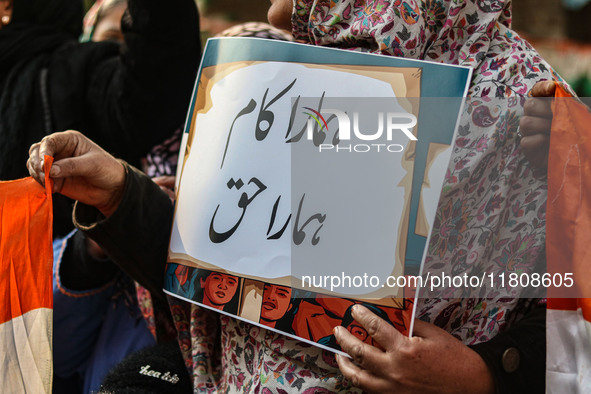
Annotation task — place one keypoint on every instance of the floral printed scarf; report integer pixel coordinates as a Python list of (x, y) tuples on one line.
[(491, 215)]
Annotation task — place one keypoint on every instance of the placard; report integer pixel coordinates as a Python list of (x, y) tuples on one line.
[(308, 182)]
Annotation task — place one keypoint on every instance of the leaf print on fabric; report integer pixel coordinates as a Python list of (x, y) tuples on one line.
[(410, 12), (316, 390), (505, 128), (434, 14), (472, 18), (494, 316), (482, 116), (446, 314), (515, 254), (368, 17), (492, 205), (450, 223), (490, 5)]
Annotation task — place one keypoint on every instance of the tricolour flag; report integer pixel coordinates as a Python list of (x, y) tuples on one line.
[(568, 248), (26, 301)]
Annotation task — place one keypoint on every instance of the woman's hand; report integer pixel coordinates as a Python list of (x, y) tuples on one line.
[(166, 183), (432, 361), (81, 170), (536, 122)]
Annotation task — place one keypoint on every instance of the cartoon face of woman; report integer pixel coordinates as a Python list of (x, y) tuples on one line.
[(359, 332), (276, 302), (218, 289)]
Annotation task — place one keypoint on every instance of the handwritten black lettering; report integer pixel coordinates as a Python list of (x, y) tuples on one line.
[(246, 110), (267, 116), (299, 235), (243, 203), (279, 233)]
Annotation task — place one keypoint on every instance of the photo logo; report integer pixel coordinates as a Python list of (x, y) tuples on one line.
[(318, 115), (389, 125)]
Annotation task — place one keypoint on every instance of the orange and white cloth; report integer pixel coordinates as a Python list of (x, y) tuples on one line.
[(26, 298), (568, 240)]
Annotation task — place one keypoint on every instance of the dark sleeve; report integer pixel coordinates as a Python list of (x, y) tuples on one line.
[(128, 98), (79, 270), (137, 234), (517, 357)]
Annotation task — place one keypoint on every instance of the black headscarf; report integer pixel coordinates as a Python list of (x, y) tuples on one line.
[(37, 28), (65, 15)]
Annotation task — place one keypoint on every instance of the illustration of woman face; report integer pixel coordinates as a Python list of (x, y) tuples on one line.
[(218, 289), (359, 332), (276, 302)]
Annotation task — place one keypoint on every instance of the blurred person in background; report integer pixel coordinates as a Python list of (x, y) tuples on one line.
[(97, 318), (102, 22), (128, 97)]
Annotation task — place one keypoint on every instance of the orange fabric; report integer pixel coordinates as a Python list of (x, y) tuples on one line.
[(26, 255), (568, 218)]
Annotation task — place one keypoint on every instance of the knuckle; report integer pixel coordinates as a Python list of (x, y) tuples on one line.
[(355, 379), (529, 105), (48, 142), (525, 123), (373, 326), (68, 167), (34, 147), (409, 352), (357, 352), (536, 141), (72, 136)]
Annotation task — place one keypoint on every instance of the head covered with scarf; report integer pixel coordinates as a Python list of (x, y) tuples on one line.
[(65, 15), (37, 26), (36, 29), (491, 214)]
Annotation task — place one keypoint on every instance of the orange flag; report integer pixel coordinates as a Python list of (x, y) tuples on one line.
[(568, 217), (568, 247), (26, 298)]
